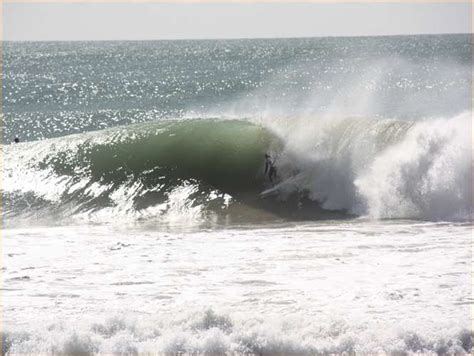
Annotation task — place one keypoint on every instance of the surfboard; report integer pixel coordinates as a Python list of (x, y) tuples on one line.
[(269, 192), (273, 190), (280, 186)]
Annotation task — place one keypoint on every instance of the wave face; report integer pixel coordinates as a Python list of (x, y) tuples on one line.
[(172, 167)]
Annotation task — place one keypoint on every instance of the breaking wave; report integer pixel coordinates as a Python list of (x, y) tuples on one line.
[(211, 170), (381, 168)]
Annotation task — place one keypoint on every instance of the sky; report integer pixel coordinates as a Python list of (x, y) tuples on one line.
[(150, 21)]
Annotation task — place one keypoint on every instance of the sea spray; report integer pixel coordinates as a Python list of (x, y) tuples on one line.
[(381, 168)]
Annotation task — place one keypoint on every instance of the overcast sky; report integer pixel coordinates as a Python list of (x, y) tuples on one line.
[(141, 21)]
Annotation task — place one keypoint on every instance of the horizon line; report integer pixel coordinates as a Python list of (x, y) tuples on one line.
[(242, 38)]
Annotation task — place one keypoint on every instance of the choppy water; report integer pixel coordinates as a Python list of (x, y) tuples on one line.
[(132, 208)]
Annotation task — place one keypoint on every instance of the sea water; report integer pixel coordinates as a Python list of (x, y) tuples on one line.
[(133, 220)]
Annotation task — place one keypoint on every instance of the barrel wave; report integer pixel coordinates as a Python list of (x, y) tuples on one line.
[(210, 170), (173, 168)]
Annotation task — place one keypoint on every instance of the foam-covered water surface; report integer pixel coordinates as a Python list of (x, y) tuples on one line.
[(307, 288)]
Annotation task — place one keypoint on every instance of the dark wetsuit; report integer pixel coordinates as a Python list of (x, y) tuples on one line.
[(270, 169)]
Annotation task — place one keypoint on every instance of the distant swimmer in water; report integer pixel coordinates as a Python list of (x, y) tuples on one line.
[(16, 140), (270, 168)]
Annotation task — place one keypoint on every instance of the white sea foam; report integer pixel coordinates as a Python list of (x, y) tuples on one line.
[(203, 333), (380, 168), (331, 287), (426, 175)]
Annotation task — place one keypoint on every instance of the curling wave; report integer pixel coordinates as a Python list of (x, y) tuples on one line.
[(205, 170), (145, 170)]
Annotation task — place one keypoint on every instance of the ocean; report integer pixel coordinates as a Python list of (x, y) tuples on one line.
[(133, 215)]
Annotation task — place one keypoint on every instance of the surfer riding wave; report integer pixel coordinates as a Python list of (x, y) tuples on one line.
[(270, 168)]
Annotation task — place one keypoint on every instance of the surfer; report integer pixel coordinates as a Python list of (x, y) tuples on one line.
[(270, 168), (16, 140)]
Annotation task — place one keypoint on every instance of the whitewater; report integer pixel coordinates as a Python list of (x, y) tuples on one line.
[(132, 208)]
